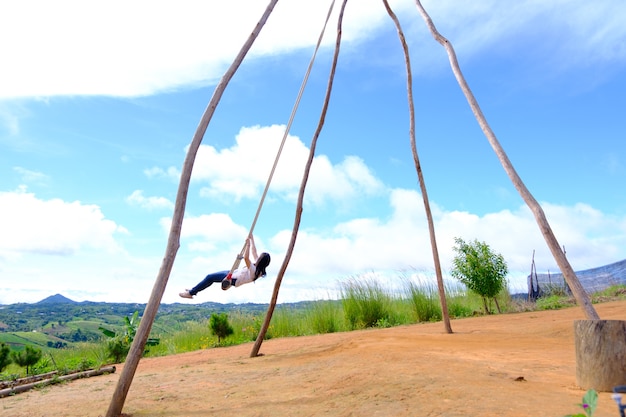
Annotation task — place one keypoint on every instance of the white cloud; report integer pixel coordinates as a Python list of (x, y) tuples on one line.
[(9, 119), (94, 276), (396, 240), (388, 245), (53, 227), (573, 31), (242, 171), (210, 235), (117, 48), (399, 245), (134, 49), (341, 183), (151, 203), (30, 176), (587, 234), (157, 172), (402, 242)]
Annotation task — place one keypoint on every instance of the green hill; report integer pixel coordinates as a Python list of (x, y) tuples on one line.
[(57, 320), (56, 299)]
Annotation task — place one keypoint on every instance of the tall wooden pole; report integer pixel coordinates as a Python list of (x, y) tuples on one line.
[(305, 178), (418, 167), (139, 343), (568, 272)]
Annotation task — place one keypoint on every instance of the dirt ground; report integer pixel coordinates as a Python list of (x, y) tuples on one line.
[(503, 365)]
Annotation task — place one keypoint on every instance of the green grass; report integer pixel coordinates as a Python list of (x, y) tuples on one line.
[(424, 300), (614, 291), (326, 316), (192, 336), (21, 338), (364, 303), (86, 325), (287, 321), (555, 302)]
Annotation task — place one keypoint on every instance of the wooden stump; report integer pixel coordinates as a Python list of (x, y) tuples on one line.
[(600, 354)]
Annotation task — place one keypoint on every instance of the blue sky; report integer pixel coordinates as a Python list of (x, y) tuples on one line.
[(99, 102)]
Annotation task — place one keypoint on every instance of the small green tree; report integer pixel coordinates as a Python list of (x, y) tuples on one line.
[(119, 343), (220, 327), (480, 269), (5, 357), (27, 357)]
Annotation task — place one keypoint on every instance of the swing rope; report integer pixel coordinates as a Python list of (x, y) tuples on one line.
[(282, 144)]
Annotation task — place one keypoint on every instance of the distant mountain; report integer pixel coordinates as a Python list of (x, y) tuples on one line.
[(56, 299)]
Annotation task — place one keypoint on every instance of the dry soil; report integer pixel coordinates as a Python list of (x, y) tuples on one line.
[(502, 365)]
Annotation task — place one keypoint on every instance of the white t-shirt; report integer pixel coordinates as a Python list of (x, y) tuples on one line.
[(244, 275)]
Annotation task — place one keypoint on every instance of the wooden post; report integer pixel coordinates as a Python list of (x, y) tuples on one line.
[(420, 175), (582, 298), (173, 242), (600, 354), (305, 176)]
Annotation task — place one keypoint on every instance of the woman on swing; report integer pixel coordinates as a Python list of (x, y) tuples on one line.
[(249, 273)]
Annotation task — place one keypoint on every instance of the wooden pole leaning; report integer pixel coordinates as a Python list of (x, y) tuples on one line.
[(305, 176), (420, 175), (139, 343), (568, 272)]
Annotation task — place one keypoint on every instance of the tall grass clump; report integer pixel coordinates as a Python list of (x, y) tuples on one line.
[(365, 303), (460, 302), (326, 316), (287, 321), (424, 298)]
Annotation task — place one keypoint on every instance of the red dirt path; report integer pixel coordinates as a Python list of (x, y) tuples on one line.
[(503, 365)]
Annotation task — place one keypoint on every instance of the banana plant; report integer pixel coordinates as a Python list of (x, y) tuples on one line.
[(119, 343)]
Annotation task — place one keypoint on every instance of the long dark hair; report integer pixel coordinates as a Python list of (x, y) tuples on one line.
[(261, 263)]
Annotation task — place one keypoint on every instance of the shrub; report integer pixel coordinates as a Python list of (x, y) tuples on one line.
[(480, 269), (27, 358), (117, 349), (120, 342), (220, 327), (5, 357)]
